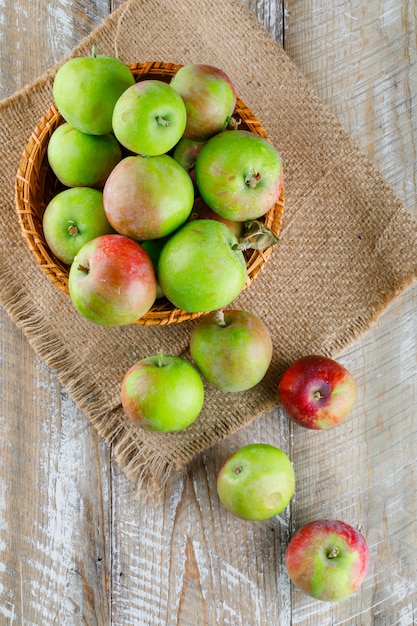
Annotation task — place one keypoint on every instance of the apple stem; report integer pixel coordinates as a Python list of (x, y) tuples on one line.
[(161, 359), (83, 268), (252, 179), (162, 122), (333, 554), (317, 395), (94, 51), (73, 230), (219, 318), (233, 123)]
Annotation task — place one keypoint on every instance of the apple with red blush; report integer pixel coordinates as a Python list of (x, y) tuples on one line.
[(148, 197), (328, 559), (209, 96), (232, 349), (317, 392), (186, 152), (112, 281)]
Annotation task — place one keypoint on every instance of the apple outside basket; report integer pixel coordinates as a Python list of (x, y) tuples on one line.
[(36, 185)]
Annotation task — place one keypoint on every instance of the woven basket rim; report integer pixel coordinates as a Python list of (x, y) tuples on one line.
[(30, 202)]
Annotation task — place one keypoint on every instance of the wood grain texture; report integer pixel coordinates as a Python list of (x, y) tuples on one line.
[(362, 61), (55, 471), (76, 546)]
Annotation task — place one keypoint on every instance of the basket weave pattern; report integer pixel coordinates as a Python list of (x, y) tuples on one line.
[(36, 185)]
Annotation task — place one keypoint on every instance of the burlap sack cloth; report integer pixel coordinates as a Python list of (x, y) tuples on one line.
[(348, 246)]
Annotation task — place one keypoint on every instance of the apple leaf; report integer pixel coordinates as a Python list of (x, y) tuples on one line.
[(256, 236)]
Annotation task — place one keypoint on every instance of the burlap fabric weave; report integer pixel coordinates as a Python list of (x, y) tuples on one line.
[(347, 248)]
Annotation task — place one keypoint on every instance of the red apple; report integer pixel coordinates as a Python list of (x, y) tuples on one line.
[(232, 349), (112, 281), (209, 96), (327, 559), (317, 392)]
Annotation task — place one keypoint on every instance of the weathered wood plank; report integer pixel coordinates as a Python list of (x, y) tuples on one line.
[(188, 557), (362, 60), (54, 472), (270, 14)]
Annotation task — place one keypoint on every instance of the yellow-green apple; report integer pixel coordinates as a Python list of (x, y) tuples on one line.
[(209, 96), (328, 559), (317, 392), (199, 269), (257, 482), (232, 349), (239, 174), (149, 118), (162, 393), (71, 219), (86, 88), (81, 160), (148, 197), (112, 281)]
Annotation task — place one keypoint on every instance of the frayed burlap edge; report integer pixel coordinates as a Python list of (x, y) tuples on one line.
[(141, 464)]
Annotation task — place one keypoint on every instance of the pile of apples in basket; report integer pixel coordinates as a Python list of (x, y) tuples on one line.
[(162, 192), (141, 159)]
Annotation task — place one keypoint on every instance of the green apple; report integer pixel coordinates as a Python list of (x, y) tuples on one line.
[(149, 118), (71, 219), (199, 268), (327, 559), (232, 349), (257, 482), (162, 393), (239, 174), (85, 90), (81, 160), (148, 197)]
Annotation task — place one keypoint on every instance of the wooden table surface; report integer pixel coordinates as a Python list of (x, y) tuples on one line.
[(76, 546)]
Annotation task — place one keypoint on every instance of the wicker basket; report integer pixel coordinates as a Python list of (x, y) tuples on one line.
[(36, 185)]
